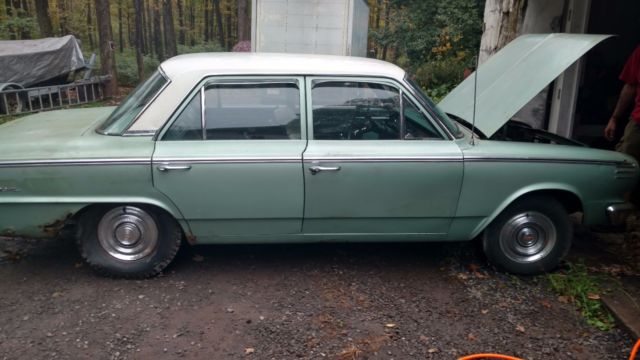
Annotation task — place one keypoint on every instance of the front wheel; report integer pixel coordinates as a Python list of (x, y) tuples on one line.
[(128, 241), (529, 237)]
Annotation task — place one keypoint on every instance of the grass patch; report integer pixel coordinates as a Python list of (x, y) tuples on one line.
[(581, 288)]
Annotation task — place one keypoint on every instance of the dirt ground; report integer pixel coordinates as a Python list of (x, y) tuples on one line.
[(358, 301)]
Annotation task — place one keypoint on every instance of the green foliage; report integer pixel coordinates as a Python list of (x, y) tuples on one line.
[(440, 76), (16, 25), (434, 39), (127, 67), (582, 289), (198, 48)]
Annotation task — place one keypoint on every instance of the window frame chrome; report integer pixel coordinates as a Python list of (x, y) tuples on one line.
[(242, 79), (400, 86), (126, 131)]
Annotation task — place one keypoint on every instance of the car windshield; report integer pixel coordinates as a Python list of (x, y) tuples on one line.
[(132, 105), (451, 125)]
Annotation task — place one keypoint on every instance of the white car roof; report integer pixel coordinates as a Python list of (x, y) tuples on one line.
[(185, 71), (204, 64)]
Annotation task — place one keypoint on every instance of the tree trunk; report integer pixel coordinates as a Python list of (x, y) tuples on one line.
[(150, 39), (157, 31), (143, 15), (120, 34), (8, 5), (244, 32), (131, 37), (25, 30), (387, 13), (192, 23), (220, 28), (44, 19), (181, 30), (107, 48), (90, 26), (138, 7), (376, 26), (211, 20), (502, 19), (229, 26), (169, 29), (206, 20), (62, 17)]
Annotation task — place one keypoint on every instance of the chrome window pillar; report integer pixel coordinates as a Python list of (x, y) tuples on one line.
[(203, 120)]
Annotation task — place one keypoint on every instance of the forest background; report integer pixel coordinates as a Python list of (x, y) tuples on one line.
[(436, 40)]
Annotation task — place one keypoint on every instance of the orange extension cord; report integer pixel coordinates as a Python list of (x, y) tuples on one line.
[(633, 355), (635, 350)]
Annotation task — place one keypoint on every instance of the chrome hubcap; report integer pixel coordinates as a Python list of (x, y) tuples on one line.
[(128, 233), (528, 237)]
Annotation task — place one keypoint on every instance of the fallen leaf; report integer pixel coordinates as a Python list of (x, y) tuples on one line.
[(484, 311), (520, 328), (462, 276), (56, 294), (432, 350), (563, 299), (545, 304), (249, 350), (593, 296), (390, 325), (472, 337), (198, 258)]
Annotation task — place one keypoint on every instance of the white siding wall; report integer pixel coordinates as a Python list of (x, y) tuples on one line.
[(308, 26), (360, 32)]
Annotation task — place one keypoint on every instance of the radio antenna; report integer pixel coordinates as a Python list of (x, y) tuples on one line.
[(475, 93), (475, 100)]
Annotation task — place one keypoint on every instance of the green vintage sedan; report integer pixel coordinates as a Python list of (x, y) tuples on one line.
[(273, 148)]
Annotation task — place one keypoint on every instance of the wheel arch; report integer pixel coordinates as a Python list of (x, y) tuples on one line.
[(158, 205), (566, 195)]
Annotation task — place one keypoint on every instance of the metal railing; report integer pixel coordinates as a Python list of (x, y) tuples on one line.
[(21, 101)]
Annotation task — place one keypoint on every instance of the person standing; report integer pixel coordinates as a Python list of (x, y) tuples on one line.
[(629, 96)]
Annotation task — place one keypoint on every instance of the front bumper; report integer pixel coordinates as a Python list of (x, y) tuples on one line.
[(618, 213)]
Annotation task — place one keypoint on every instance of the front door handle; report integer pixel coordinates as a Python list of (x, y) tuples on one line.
[(316, 169), (169, 167)]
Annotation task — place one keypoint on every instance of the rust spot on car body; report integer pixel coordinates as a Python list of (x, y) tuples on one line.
[(8, 233), (191, 239), (52, 229)]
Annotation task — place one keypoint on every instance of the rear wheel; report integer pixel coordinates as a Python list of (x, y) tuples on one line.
[(530, 236), (128, 241)]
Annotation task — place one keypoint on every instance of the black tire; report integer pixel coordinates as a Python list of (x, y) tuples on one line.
[(529, 237), (132, 242)]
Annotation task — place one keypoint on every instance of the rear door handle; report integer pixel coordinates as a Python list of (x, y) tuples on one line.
[(316, 169), (169, 167)]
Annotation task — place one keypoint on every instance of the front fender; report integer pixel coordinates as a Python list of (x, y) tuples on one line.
[(521, 192)]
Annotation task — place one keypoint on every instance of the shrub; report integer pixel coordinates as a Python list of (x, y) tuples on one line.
[(440, 76)]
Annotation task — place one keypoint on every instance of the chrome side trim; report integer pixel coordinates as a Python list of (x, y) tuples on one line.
[(133, 133), (230, 160), (553, 161), (74, 162), (383, 159)]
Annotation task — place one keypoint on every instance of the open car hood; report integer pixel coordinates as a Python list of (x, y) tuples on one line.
[(508, 80)]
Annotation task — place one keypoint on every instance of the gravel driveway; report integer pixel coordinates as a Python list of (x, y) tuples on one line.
[(359, 301)]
